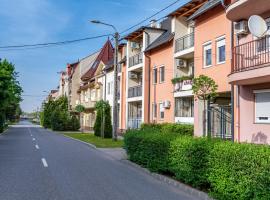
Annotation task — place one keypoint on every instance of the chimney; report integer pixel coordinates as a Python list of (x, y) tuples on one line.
[(153, 23)]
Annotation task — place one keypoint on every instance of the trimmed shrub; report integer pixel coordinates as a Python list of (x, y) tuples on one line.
[(188, 160), (182, 129), (239, 171), (149, 149)]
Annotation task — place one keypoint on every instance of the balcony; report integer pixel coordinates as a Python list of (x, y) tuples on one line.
[(89, 104), (243, 9), (184, 42), (135, 91), (136, 59), (134, 123), (251, 61)]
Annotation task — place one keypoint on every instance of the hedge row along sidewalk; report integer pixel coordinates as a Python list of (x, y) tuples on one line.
[(225, 170)]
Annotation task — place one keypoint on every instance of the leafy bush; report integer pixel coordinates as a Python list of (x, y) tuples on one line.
[(103, 109), (182, 129), (239, 171), (188, 159), (149, 149), (227, 170)]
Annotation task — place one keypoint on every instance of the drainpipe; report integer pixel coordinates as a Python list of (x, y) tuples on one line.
[(149, 82)]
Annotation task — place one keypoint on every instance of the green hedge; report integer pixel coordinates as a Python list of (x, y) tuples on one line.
[(149, 149), (224, 169), (239, 171), (182, 129)]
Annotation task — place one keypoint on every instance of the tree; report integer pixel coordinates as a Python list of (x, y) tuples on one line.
[(10, 93), (103, 123), (55, 115), (204, 88)]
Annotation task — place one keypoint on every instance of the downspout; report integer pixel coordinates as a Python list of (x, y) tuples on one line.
[(232, 85), (149, 82)]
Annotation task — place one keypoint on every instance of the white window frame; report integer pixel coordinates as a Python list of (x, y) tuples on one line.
[(221, 41), (260, 121), (207, 46), (155, 81), (161, 81), (161, 109)]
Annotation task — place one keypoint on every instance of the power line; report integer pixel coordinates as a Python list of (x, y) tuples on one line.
[(49, 44), (146, 19)]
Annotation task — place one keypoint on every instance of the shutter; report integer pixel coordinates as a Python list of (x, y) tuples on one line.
[(262, 107)]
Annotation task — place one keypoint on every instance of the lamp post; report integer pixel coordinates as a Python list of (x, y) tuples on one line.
[(115, 103)]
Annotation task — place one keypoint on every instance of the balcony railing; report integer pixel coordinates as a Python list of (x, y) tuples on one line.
[(136, 59), (134, 123), (135, 91), (251, 55), (184, 42)]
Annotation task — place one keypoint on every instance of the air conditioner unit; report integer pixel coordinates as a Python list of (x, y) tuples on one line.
[(180, 63), (135, 45), (133, 75), (241, 27), (166, 104)]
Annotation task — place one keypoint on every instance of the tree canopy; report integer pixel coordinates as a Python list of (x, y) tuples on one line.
[(10, 93)]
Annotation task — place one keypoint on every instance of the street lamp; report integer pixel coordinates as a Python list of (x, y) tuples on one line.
[(115, 103)]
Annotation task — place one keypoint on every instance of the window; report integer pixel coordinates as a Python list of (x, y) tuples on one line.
[(161, 111), (154, 75), (221, 51), (86, 96), (207, 51), (154, 110), (93, 94), (184, 107), (109, 88), (162, 74), (262, 106)]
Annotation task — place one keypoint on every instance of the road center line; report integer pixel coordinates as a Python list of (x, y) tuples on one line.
[(37, 147), (45, 164)]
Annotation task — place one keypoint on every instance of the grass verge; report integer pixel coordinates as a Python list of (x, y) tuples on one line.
[(97, 141)]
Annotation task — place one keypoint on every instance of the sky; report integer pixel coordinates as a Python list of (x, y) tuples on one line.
[(41, 21)]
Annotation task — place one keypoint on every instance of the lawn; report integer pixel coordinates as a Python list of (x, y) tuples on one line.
[(97, 141)]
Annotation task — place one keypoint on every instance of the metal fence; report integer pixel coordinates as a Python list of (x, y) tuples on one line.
[(136, 59), (135, 91), (134, 123), (251, 55), (184, 42), (219, 122)]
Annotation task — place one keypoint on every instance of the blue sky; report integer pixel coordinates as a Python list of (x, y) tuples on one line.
[(39, 21)]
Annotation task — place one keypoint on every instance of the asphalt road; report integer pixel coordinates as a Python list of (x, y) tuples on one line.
[(38, 164)]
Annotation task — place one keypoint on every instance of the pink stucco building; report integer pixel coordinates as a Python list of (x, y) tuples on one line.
[(250, 73)]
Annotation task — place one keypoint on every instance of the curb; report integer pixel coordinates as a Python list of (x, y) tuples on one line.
[(189, 190)]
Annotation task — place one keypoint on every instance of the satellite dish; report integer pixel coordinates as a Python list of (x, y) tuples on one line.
[(257, 26)]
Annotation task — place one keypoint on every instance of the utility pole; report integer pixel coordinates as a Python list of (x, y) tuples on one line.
[(115, 97)]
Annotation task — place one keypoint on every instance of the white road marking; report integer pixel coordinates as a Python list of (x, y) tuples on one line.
[(34, 139), (37, 147), (45, 164)]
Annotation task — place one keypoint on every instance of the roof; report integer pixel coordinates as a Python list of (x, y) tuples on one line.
[(104, 55), (88, 62), (207, 6), (188, 9), (165, 37), (139, 31)]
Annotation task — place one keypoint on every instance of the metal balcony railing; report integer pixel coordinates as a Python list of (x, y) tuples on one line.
[(184, 42), (136, 59), (135, 91), (134, 123), (251, 55)]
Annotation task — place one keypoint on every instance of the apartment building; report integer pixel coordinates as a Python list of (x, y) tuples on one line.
[(250, 73), (212, 36), (93, 83)]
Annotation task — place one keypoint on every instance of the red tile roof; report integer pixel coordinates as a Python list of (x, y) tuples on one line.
[(105, 55)]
